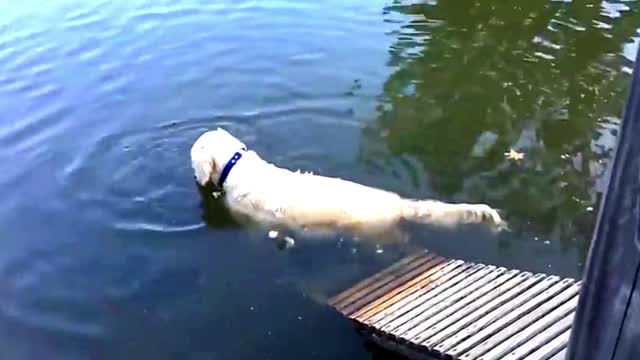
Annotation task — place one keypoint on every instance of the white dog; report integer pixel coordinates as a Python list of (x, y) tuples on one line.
[(286, 200)]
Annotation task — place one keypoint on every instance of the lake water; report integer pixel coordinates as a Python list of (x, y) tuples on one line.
[(108, 250)]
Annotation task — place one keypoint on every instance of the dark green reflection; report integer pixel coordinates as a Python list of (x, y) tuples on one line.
[(473, 79)]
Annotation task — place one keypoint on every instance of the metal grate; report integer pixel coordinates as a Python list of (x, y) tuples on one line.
[(426, 305)]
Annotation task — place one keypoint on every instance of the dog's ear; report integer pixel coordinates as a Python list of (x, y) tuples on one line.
[(203, 170)]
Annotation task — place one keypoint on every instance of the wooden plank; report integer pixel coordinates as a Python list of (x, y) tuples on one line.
[(447, 276), (407, 288), (459, 300), (404, 265), (555, 339), (406, 320), (354, 300), (444, 278), (427, 305), (532, 325), (380, 291), (562, 354), (509, 312), (447, 299), (455, 321), (482, 316), (541, 329), (502, 341), (399, 266)]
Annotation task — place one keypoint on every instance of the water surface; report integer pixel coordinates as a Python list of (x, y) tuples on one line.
[(110, 251)]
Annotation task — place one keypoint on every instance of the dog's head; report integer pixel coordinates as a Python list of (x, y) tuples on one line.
[(211, 152)]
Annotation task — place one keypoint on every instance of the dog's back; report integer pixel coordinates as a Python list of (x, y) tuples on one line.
[(307, 200)]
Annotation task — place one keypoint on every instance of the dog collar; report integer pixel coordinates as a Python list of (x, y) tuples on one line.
[(227, 168)]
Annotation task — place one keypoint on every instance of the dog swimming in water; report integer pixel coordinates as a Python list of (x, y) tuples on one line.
[(291, 201)]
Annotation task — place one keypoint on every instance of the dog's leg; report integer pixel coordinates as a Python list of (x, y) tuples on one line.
[(445, 214)]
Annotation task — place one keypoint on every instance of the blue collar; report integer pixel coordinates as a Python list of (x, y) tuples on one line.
[(227, 168)]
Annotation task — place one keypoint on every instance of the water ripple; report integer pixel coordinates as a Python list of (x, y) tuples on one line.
[(82, 18), (50, 290), (38, 126), (111, 180), (46, 290)]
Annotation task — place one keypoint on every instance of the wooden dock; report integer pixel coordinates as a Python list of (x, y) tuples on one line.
[(426, 306)]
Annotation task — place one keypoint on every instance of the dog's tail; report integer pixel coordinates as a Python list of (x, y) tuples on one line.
[(447, 215)]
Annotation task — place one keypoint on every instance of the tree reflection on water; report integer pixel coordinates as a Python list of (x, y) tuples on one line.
[(543, 77)]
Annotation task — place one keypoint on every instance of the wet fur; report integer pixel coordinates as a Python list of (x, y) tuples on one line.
[(260, 192)]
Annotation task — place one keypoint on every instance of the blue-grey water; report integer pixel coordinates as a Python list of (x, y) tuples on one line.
[(109, 251)]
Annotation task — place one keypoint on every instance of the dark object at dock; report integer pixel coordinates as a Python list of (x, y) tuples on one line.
[(607, 325)]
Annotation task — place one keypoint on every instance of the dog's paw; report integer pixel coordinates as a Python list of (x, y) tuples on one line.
[(486, 214), (282, 241), (286, 243)]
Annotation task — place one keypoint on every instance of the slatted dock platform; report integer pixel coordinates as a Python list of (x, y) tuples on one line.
[(427, 306)]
